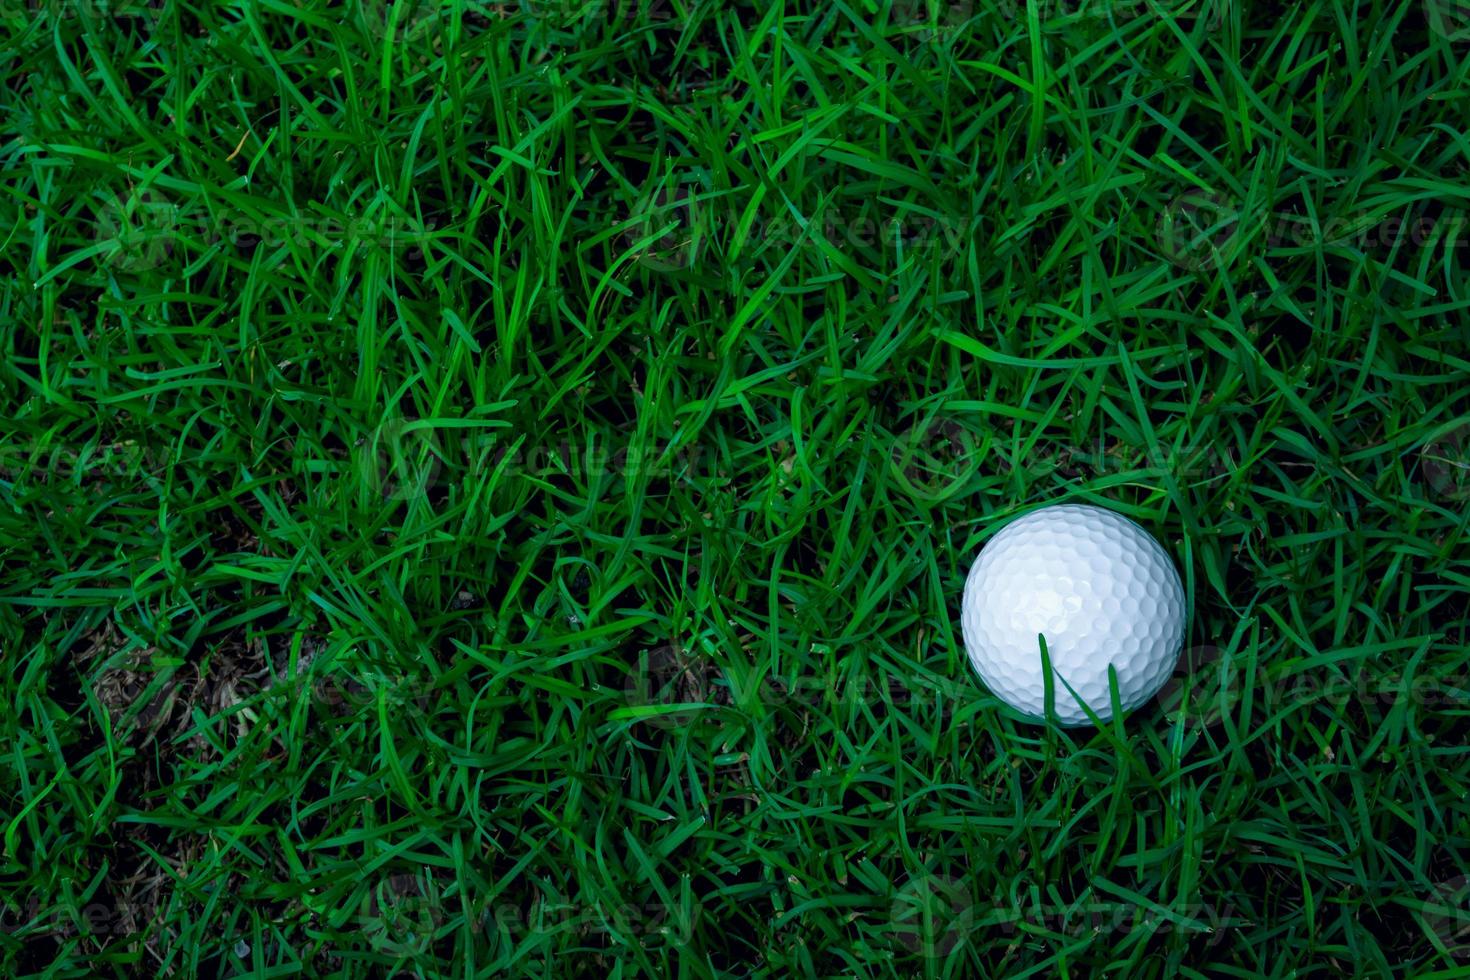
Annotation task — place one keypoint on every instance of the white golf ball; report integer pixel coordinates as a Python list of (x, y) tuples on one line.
[(1101, 591)]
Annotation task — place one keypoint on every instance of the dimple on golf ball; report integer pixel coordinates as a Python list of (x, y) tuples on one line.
[(1101, 591)]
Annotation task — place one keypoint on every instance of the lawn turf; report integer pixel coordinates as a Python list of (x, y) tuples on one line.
[(485, 488)]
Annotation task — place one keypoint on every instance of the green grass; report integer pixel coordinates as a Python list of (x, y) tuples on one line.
[(485, 489)]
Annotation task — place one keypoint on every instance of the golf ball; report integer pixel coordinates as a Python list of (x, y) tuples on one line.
[(1101, 591)]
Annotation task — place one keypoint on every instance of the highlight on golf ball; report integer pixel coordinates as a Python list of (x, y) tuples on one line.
[(1101, 591)]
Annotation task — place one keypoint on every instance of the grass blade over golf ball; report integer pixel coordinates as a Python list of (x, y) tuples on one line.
[(1101, 591)]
